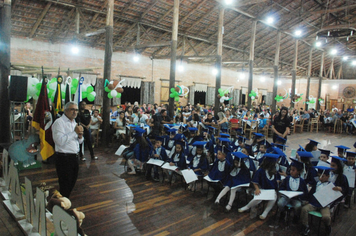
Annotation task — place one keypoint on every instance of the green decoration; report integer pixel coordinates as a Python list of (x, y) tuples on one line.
[(107, 90), (90, 89), (90, 97), (109, 95), (84, 94), (118, 95)]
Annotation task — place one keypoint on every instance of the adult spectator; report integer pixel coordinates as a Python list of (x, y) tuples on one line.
[(305, 117), (350, 109), (120, 127), (165, 118), (67, 135), (210, 120), (223, 122), (95, 125), (186, 112), (281, 124), (84, 120), (140, 118)]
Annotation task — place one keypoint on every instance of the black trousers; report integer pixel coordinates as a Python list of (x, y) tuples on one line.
[(67, 167), (87, 141)]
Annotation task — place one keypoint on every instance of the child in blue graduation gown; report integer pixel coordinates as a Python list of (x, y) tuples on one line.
[(349, 169), (238, 144), (248, 161), (308, 173), (224, 146), (177, 158), (282, 164), (169, 141), (255, 143), (266, 177), (199, 163), (337, 176), (221, 167), (293, 182), (160, 153), (261, 152), (240, 174), (324, 173)]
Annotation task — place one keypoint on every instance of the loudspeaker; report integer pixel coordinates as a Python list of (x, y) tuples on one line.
[(18, 88)]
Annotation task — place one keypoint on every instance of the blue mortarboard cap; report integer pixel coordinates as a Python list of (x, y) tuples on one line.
[(325, 152), (139, 131), (279, 152), (305, 155), (192, 129), (265, 142), (350, 154), (199, 143), (342, 148), (271, 156), (180, 142), (239, 155), (179, 137), (258, 135), (324, 169), (224, 139), (172, 130), (241, 138), (315, 143), (199, 138), (297, 164), (159, 138), (280, 139), (337, 158), (301, 148), (224, 135)]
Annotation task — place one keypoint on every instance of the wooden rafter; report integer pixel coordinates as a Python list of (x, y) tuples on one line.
[(149, 8), (201, 18), (39, 19), (65, 22), (124, 34), (192, 11)]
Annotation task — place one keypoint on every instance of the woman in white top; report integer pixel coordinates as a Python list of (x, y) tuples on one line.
[(120, 126)]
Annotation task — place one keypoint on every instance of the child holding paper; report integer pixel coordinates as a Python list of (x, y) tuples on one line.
[(324, 173), (293, 182), (238, 176), (220, 169), (349, 171), (199, 163), (160, 153), (337, 176), (308, 173), (266, 177), (177, 158)]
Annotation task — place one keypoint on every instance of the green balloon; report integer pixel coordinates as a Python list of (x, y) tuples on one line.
[(90, 97), (73, 90), (38, 93), (176, 99), (173, 90), (171, 95), (53, 80), (90, 89), (75, 82), (38, 86), (109, 95), (63, 94), (107, 90), (118, 95), (84, 94)]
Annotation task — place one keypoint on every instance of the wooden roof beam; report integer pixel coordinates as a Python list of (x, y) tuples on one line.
[(192, 11), (39, 19), (65, 22), (201, 18), (124, 35)]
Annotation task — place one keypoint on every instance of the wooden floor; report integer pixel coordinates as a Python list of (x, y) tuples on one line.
[(116, 203)]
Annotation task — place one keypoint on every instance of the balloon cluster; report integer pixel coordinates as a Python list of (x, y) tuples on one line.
[(224, 94), (297, 98), (33, 88), (279, 98), (179, 91), (310, 101), (321, 101), (114, 88), (253, 95)]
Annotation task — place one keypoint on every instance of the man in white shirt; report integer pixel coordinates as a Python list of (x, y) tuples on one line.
[(67, 135), (95, 125)]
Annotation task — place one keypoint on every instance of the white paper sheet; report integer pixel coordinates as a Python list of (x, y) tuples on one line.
[(120, 150), (282, 168), (350, 175), (293, 153), (316, 155), (189, 175), (155, 162), (241, 186), (168, 167), (266, 194), (291, 194), (327, 195), (323, 163), (207, 178)]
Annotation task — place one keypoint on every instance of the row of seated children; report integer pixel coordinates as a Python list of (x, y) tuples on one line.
[(233, 167)]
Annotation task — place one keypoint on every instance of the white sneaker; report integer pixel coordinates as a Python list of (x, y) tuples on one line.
[(242, 209), (94, 158)]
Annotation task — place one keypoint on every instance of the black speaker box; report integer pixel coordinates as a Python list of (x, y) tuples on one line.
[(18, 88)]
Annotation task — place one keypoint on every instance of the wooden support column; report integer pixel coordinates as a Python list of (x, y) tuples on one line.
[(219, 60), (172, 75), (109, 28), (320, 79), (294, 73), (331, 68), (5, 38), (250, 63), (275, 70), (309, 75)]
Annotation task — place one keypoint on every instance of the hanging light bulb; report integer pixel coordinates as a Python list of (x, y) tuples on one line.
[(215, 71), (75, 49), (345, 58), (228, 2), (318, 44)]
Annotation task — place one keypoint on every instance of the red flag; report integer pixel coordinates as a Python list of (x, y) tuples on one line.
[(42, 121)]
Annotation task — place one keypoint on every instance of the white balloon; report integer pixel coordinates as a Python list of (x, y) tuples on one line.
[(281, 100), (222, 100), (53, 86), (113, 93), (253, 97), (93, 93)]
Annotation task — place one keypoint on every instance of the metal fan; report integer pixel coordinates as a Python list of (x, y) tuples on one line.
[(349, 92)]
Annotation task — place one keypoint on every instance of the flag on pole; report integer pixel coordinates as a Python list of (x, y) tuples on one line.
[(42, 121), (58, 97), (67, 98), (78, 95)]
